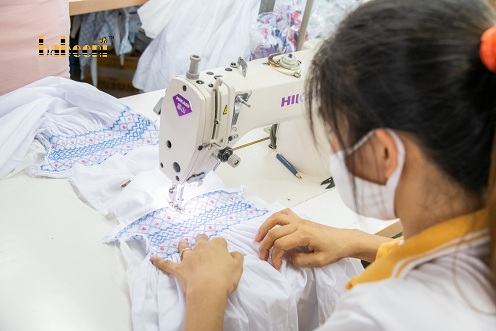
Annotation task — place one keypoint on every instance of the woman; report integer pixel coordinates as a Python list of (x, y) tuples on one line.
[(407, 90)]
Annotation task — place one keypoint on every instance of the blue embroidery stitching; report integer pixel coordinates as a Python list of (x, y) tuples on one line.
[(210, 213), (129, 131)]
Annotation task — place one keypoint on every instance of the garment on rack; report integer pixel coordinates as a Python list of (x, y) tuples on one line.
[(155, 15), (278, 30), (216, 30), (118, 27), (73, 122)]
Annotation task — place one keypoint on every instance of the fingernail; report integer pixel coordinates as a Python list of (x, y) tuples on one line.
[(257, 236)]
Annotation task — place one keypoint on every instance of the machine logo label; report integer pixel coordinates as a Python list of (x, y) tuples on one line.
[(182, 104), (292, 99)]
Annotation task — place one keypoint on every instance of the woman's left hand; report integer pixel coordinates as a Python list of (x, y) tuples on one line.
[(284, 231)]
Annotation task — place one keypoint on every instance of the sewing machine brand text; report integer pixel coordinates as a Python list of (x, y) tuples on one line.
[(182, 105), (64, 50), (292, 99)]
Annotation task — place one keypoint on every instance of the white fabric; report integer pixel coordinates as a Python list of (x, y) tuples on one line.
[(266, 299), (52, 105), (100, 188), (450, 292), (128, 203), (216, 30), (372, 199), (155, 15)]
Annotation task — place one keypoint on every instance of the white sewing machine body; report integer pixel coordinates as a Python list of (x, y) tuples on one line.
[(204, 116)]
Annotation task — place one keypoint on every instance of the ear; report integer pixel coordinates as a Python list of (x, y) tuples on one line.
[(387, 152)]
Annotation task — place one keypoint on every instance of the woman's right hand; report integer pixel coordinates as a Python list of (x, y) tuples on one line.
[(284, 231), (208, 273), (209, 266)]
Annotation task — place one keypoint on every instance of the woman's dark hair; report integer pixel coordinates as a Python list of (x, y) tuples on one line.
[(414, 66)]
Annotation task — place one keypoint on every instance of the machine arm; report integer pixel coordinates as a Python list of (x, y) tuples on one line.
[(203, 116)]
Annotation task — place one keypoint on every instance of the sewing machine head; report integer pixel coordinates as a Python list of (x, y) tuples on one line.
[(204, 114)]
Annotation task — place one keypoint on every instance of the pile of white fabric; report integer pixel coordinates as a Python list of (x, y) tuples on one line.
[(50, 106)]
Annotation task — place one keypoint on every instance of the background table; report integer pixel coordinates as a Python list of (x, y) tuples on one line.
[(77, 7)]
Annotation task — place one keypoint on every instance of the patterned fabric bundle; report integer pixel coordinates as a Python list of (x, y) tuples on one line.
[(129, 131), (210, 213), (56, 123)]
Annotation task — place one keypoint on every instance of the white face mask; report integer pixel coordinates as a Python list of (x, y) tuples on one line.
[(372, 200)]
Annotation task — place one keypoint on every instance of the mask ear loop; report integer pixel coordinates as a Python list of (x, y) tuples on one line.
[(352, 149), (399, 145), (487, 50)]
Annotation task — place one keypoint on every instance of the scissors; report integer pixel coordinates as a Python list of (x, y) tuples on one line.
[(329, 182)]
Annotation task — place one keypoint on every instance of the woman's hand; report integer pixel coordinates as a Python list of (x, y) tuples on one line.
[(207, 274), (325, 244), (208, 265)]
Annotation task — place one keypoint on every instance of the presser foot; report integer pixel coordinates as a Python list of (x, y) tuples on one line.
[(175, 205), (176, 197)]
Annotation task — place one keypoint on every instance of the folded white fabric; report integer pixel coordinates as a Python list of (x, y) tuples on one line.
[(146, 189), (101, 185), (75, 122)]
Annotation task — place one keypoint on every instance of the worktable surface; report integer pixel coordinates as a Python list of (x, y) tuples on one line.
[(56, 274)]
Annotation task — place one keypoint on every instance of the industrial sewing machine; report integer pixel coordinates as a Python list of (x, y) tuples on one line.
[(204, 114)]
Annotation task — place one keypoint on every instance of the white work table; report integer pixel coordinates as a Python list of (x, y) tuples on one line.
[(55, 272)]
